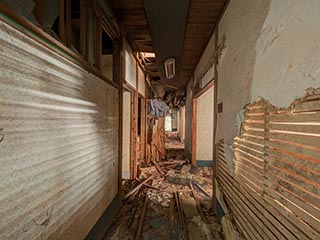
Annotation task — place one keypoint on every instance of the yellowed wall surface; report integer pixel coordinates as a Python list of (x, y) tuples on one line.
[(141, 82), (130, 66), (126, 135), (204, 141), (272, 51), (59, 155), (107, 66), (188, 126)]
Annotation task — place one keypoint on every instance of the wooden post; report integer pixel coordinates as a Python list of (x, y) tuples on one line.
[(118, 72), (83, 15), (61, 22), (39, 12), (68, 23), (194, 132)]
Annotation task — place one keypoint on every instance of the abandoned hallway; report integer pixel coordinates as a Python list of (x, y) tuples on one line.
[(159, 119)]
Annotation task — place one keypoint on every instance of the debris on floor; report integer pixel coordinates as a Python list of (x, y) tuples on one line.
[(167, 202)]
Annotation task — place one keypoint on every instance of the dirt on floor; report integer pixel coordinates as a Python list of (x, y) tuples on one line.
[(169, 200)]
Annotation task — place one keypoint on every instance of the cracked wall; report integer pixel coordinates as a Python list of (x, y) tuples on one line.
[(272, 51)]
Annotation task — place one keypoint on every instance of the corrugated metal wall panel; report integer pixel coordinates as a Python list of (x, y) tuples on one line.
[(274, 190), (59, 155)]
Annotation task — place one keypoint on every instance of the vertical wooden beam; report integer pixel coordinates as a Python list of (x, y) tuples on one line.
[(83, 24), (39, 12), (118, 73), (87, 31), (61, 22), (143, 129), (68, 22), (194, 132), (215, 124), (134, 121), (98, 42)]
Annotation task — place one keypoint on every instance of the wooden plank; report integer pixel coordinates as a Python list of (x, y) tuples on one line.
[(83, 7), (295, 168), (294, 158), (258, 203), (258, 160), (297, 180), (250, 150), (62, 35), (306, 117), (301, 139), (310, 213), (68, 23), (295, 149), (250, 213), (39, 12), (242, 160), (256, 179), (296, 129), (303, 231), (297, 191)]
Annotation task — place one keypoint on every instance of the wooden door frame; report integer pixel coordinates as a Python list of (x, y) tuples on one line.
[(194, 120)]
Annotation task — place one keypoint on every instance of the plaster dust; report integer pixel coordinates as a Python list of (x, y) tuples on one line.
[(288, 52)]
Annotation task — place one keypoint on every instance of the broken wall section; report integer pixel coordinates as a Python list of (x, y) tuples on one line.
[(273, 191), (272, 51)]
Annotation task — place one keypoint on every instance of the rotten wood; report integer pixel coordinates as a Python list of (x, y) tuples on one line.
[(198, 200), (158, 167), (137, 187), (202, 189), (140, 227)]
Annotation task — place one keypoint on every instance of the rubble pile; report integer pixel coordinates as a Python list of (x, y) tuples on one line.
[(167, 201)]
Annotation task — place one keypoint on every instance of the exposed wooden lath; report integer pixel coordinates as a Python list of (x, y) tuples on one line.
[(273, 191)]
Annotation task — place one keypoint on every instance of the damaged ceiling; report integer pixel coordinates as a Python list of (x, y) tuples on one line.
[(177, 29)]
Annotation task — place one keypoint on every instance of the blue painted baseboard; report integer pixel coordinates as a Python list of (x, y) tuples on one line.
[(204, 163)]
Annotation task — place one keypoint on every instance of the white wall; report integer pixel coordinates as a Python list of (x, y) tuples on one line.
[(241, 24), (272, 51), (288, 52), (204, 139), (126, 129), (59, 155), (130, 74)]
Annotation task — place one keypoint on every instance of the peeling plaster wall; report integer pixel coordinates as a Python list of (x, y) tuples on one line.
[(272, 51), (288, 52), (188, 119), (241, 24)]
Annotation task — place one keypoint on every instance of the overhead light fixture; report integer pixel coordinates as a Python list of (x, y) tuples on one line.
[(169, 66)]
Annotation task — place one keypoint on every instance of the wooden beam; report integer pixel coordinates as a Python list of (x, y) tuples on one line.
[(83, 26), (194, 131), (98, 43), (39, 12), (68, 23), (62, 35)]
